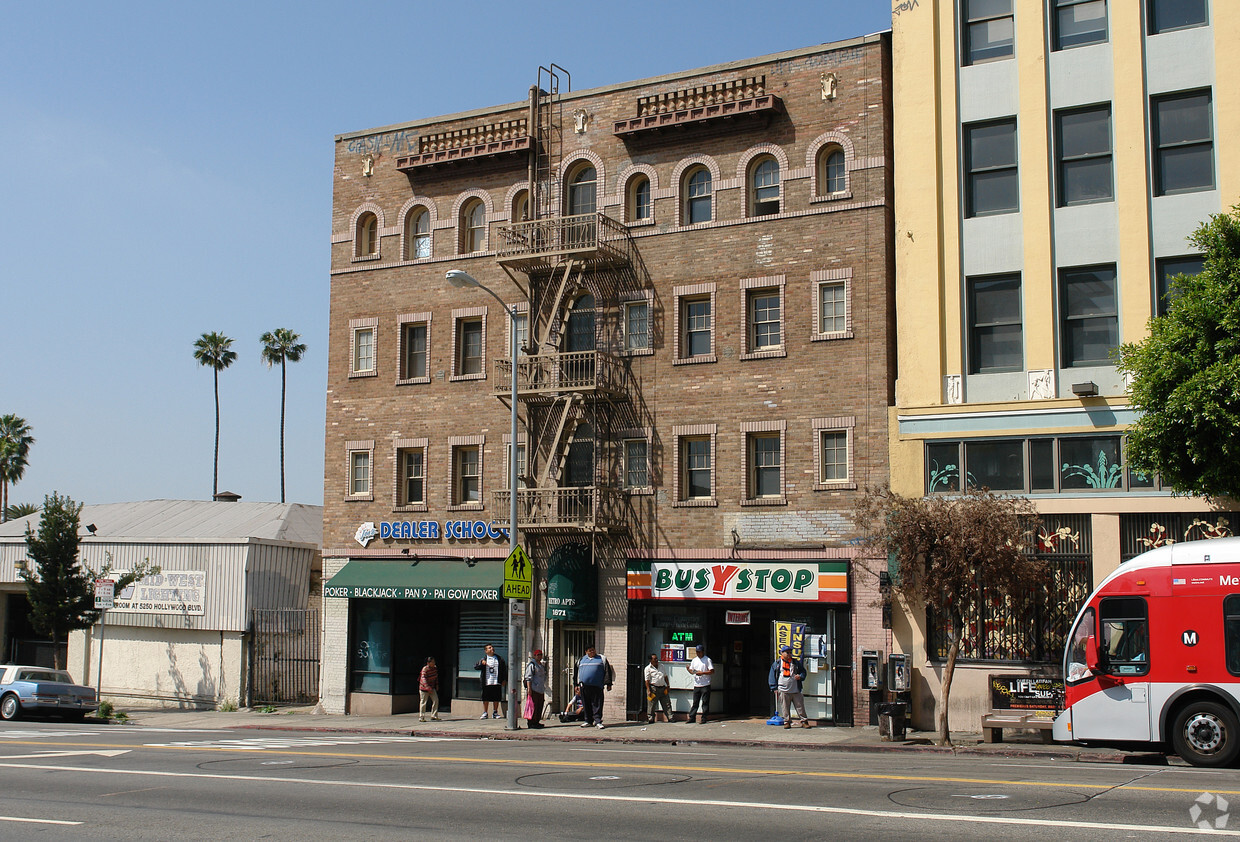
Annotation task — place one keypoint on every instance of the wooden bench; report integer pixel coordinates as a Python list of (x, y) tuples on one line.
[(994, 722)]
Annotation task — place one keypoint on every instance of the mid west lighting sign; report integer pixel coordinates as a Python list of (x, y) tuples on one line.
[(172, 592)]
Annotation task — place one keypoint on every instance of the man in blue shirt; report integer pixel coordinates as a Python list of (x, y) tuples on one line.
[(593, 674)]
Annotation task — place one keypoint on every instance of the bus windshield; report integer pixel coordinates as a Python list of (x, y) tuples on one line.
[(1075, 668)]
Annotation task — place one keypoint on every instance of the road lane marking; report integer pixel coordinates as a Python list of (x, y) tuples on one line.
[(679, 768), (37, 821), (40, 755), (644, 751), (677, 803)]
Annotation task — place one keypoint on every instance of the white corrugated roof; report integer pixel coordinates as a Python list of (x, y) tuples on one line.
[(193, 520)]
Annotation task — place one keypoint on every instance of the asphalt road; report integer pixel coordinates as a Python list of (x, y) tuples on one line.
[(98, 782)]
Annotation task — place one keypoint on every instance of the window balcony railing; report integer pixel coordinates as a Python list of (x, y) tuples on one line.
[(588, 507), (590, 236), (570, 371)]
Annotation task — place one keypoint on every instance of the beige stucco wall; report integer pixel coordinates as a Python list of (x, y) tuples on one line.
[(159, 668)]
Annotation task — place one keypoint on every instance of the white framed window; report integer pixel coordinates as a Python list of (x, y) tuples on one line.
[(698, 196), (522, 464), (635, 466), (362, 350), (469, 342), (833, 453), (764, 187), (466, 454), (695, 465), (366, 237), (418, 234), (360, 467), (415, 343), (473, 227), (582, 190), (523, 329), (763, 308), (831, 304), (695, 323), (764, 462), (639, 201), (411, 462), (636, 323)]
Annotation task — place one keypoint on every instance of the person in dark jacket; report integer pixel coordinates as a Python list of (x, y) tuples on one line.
[(494, 675), (785, 679)]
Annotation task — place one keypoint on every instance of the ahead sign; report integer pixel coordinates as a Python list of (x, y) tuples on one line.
[(105, 592), (518, 575)]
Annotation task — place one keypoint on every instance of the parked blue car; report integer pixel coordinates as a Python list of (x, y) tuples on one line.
[(42, 690)]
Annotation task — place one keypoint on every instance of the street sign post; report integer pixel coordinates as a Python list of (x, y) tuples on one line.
[(105, 595)]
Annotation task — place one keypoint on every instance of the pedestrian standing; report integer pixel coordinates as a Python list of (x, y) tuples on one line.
[(536, 686), (656, 689), (593, 674), (428, 690), (702, 668), (494, 675), (785, 679)]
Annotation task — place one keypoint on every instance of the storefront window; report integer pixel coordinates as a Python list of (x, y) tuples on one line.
[(480, 624), (372, 652)]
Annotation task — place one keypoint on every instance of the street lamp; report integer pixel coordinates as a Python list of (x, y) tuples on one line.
[(462, 279)]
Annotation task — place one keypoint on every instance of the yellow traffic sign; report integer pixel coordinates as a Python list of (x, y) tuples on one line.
[(518, 575)]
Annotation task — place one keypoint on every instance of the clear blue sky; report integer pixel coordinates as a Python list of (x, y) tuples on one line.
[(165, 170)]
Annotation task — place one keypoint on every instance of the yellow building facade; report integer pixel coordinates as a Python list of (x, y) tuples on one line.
[(1052, 158)]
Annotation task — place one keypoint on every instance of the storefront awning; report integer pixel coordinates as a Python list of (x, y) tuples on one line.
[(447, 580)]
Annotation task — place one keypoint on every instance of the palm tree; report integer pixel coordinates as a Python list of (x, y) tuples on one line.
[(15, 441), (18, 510), (213, 349), (281, 346)]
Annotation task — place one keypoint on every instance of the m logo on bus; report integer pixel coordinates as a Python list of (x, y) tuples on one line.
[(1189, 637)]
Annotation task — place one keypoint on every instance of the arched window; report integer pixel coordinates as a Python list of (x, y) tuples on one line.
[(764, 188), (474, 226), (367, 235), (521, 207), (697, 196), (832, 174), (418, 234), (640, 208), (582, 191)]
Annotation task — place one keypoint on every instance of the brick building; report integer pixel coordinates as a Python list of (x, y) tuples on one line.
[(701, 270)]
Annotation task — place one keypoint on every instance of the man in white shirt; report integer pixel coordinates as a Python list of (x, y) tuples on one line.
[(656, 689), (702, 669)]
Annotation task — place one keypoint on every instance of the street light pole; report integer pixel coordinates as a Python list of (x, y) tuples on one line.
[(459, 278)]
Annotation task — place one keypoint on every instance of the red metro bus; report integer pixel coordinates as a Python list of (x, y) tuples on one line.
[(1154, 655)]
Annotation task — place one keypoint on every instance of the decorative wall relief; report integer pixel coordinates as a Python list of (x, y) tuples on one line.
[(953, 389), (830, 86), (581, 120), (1041, 384)]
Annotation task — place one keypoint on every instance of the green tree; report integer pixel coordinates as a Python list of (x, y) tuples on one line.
[(59, 585), (15, 510), (1186, 374), (947, 553), (15, 441), (214, 350), (281, 346)]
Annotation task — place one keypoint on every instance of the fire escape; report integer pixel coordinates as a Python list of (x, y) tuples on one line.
[(575, 392)]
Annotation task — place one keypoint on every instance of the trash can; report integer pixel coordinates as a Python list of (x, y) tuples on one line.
[(891, 722)]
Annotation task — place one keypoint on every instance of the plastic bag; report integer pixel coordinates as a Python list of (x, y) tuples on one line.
[(528, 712)]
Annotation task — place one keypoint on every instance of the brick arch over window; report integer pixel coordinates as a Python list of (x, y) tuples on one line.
[(417, 203), (573, 161), (624, 184), (458, 207), (678, 179), (818, 147), (745, 164), (362, 210), (510, 199)]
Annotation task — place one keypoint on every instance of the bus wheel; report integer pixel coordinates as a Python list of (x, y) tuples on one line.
[(1206, 734)]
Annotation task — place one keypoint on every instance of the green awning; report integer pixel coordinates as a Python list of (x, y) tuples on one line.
[(446, 580)]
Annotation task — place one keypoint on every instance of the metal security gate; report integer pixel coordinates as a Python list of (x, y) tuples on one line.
[(284, 657)]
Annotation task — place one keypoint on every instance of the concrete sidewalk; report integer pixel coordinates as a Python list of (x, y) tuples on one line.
[(727, 732)]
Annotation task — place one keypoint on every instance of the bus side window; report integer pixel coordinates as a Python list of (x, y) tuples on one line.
[(1231, 631), (1125, 635)]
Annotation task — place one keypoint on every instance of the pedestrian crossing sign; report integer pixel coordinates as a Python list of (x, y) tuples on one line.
[(518, 575)]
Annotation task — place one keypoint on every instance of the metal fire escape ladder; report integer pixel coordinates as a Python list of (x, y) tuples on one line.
[(553, 444), (549, 142)]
